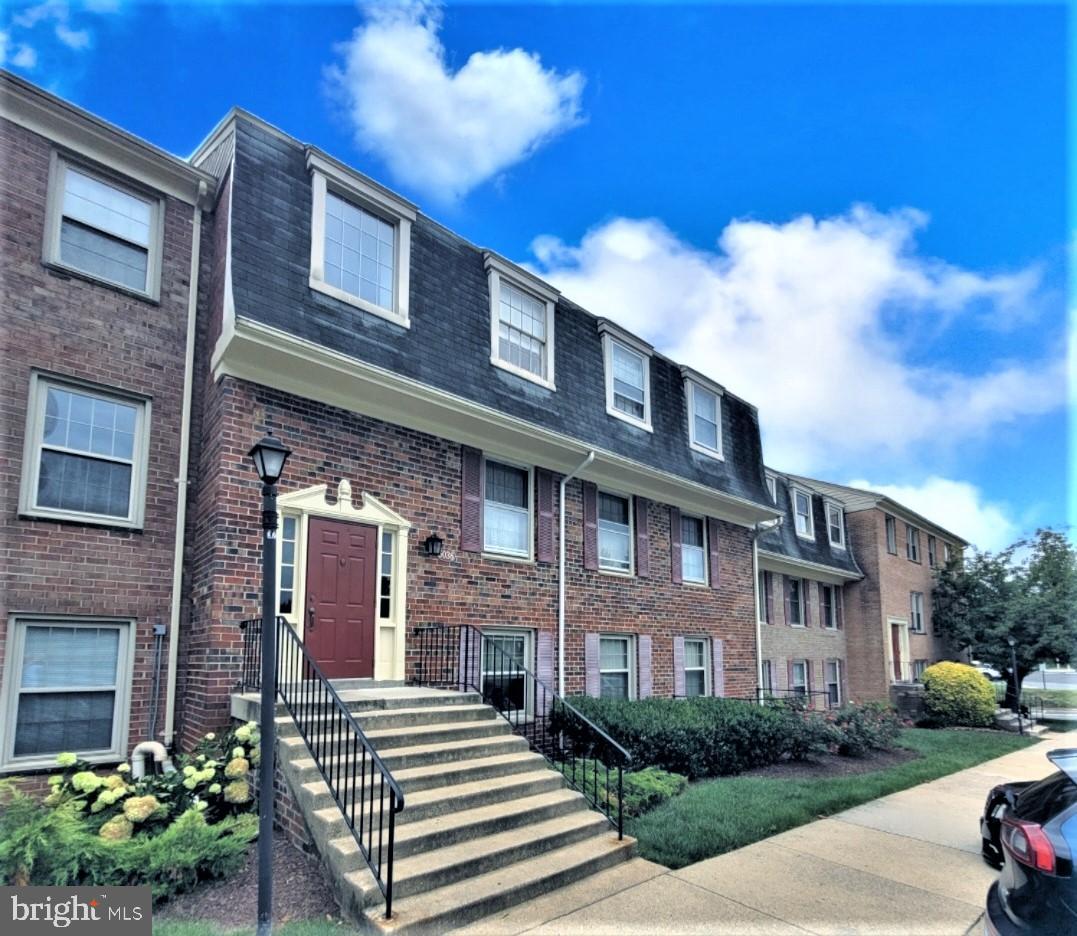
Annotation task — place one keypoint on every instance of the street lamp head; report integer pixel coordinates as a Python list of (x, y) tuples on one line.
[(1011, 641), (269, 457)]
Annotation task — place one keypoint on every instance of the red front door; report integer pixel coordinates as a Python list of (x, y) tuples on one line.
[(341, 589), (895, 643)]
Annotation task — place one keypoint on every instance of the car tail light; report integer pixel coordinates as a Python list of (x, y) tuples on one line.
[(1029, 844)]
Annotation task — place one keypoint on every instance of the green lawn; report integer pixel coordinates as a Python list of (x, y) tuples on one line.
[(302, 928), (1053, 698), (716, 816)]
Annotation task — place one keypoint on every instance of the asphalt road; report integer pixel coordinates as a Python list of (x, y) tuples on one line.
[(1054, 680)]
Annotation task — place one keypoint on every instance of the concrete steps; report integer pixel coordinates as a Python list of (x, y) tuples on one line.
[(486, 822), (1006, 720)]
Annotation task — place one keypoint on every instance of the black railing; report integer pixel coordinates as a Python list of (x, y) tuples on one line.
[(361, 785), (459, 657), (814, 699)]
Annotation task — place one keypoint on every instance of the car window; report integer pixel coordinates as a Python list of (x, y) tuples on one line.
[(1045, 799)]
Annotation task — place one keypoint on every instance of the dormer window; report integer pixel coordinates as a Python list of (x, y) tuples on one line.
[(802, 514), (835, 525), (521, 322), (704, 416), (628, 377), (360, 240)]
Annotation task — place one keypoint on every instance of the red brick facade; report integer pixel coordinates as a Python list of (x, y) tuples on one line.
[(70, 327)]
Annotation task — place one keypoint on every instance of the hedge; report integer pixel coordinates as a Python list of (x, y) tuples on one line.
[(956, 694)]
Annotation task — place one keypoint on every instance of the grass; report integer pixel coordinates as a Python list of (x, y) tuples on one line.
[(298, 928), (717, 816), (1053, 698)]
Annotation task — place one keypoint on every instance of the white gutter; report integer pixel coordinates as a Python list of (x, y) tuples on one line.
[(758, 530), (181, 478), (561, 574)]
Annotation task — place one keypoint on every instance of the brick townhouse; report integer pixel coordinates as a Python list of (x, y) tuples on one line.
[(429, 386), (888, 627), (806, 564), (99, 281)]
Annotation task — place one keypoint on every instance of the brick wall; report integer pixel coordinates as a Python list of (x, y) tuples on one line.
[(418, 476), (80, 329)]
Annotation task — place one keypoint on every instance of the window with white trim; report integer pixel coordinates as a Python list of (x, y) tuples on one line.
[(833, 682), (946, 553), (693, 549), (86, 454), (696, 667), (68, 690), (799, 683), (616, 667), (772, 487), (796, 617), (912, 543), (766, 673), (891, 535), (916, 612), (360, 240), (802, 514), (704, 420), (761, 594), (918, 667), (103, 228), (932, 552), (835, 525), (521, 322), (628, 382), (506, 654), (385, 580), (828, 609), (289, 533), (506, 519), (614, 532)]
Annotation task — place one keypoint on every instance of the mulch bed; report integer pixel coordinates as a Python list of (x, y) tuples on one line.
[(833, 765), (300, 892)]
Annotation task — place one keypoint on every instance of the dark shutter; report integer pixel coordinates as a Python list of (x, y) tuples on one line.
[(838, 597), (544, 510), (768, 588), (643, 539), (788, 600), (713, 551), (646, 687), (470, 500), (809, 667), (590, 526), (805, 597), (592, 675), (675, 549), (678, 666)]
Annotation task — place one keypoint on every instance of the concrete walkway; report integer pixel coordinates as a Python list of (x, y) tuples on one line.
[(906, 864)]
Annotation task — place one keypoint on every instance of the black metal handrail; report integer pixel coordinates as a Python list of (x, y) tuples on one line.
[(458, 657), (356, 776)]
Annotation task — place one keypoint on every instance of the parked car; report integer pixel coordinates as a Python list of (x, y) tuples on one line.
[(989, 671), (1030, 831)]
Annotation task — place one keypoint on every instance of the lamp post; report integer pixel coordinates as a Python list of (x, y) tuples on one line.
[(1016, 683), (269, 457)]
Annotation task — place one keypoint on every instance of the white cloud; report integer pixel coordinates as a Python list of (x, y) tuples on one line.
[(822, 323), (73, 38), (958, 506), (27, 29), (24, 57), (443, 131)]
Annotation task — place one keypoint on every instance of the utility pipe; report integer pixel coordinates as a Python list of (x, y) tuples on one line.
[(182, 476), (561, 574), (758, 530), (160, 756)]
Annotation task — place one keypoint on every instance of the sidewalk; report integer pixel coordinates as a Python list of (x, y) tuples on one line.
[(906, 864)]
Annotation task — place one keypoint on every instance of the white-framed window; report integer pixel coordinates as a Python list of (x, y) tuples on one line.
[(385, 578), (103, 228), (835, 525), (506, 654), (617, 667), (86, 453), (68, 688), (918, 667), (891, 535), (802, 513), (614, 533), (628, 380), (762, 586), (360, 250), (289, 546), (912, 543), (693, 549), (916, 612), (772, 487), (833, 682), (946, 553), (829, 596), (799, 683), (521, 322), (704, 419), (696, 667), (796, 601), (766, 674), (932, 552), (506, 520)]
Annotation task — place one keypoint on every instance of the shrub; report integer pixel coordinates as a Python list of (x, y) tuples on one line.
[(641, 790), (956, 694), (706, 736), (869, 726)]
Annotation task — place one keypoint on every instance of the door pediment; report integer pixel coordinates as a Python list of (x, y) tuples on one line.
[(370, 510)]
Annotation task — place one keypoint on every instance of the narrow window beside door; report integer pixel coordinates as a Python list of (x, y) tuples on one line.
[(288, 528), (385, 586)]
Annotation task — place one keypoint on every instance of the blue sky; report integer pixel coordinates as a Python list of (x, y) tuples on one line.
[(853, 216)]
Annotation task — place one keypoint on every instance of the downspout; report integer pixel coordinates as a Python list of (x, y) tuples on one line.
[(561, 573), (182, 476), (758, 530)]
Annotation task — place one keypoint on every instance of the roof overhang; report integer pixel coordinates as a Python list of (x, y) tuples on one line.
[(776, 562), (253, 351)]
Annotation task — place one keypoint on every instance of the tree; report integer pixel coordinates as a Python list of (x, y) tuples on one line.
[(1027, 591)]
